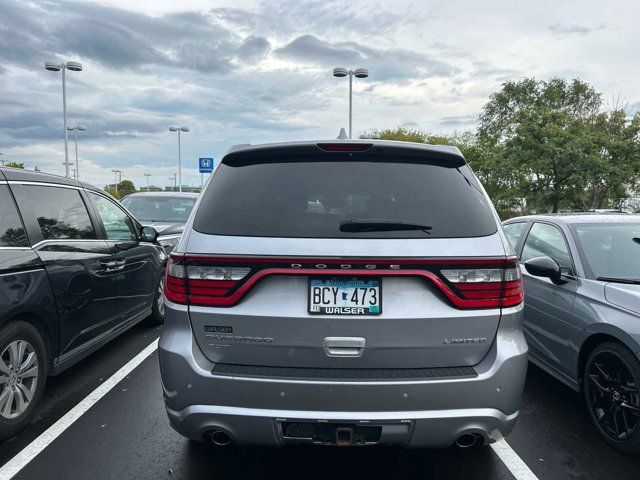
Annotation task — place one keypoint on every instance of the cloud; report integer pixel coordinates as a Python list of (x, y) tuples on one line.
[(253, 48), (574, 29), (383, 64), (114, 37), (458, 121)]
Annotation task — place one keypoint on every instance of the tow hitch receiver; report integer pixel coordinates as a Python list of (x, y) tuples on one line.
[(339, 434), (344, 436)]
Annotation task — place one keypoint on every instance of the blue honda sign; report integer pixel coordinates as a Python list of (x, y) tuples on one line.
[(206, 165)]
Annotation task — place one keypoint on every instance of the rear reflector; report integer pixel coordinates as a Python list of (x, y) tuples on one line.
[(344, 147), (467, 283)]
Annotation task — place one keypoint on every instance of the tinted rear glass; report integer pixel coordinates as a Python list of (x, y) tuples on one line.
[(310, 197)]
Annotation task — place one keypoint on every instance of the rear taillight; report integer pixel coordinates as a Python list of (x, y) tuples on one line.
[(486, 287), (468, 283), (199, 284)]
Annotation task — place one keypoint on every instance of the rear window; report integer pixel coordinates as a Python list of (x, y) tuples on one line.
[(159, 209), (312, 198)]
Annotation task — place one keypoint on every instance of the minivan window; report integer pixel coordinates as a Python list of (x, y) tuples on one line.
[(117, 224), (12, 233), (61, 212), (336, 197)]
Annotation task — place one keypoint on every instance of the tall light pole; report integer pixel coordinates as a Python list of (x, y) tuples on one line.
[(174, 181), (75, 129), (179, 129), (56, 67), (117, 173), (358, 73), (1, 154), (147, 175)]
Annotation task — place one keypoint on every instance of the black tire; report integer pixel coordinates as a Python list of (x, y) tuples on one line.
[(612, 393), (22, 332), (157, 309)]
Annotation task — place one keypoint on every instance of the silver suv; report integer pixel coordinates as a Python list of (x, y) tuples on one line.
[(343, 293)]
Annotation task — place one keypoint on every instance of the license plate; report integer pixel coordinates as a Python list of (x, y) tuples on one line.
[(353, 296)]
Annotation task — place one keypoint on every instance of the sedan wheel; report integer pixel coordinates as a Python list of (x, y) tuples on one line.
[(612, 395), (18, 378)]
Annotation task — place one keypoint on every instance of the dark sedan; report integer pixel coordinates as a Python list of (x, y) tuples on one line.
[(582, 311)]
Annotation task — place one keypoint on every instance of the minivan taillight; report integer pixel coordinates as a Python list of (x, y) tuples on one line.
[(486, 287)]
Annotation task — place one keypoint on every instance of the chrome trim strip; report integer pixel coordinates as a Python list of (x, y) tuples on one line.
[(22, 271), (346, 416), (15, 248), (43, 184), (66, 240)]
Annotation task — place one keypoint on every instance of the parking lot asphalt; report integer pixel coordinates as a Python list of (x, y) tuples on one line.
[(126, 435)]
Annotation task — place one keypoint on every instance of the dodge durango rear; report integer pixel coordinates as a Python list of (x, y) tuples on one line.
[(343, 293)]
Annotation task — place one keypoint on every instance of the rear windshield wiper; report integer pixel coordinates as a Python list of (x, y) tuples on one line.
[(632, 281), (359, 225)]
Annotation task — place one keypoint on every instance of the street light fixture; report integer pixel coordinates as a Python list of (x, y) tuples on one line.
[(341, 72), (75, 129), (147, 175), (57, 67), (179, 129), (117, 173)]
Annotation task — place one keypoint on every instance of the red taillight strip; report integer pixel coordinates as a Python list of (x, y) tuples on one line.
[(450, 294), (212, 293)]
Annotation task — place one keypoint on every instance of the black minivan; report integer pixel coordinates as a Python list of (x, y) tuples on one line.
[(76, 270)]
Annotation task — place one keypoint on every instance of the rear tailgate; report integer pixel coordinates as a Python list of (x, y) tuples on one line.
[(420, 235)]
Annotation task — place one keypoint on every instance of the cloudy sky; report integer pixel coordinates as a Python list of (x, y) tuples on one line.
[(250, 71)]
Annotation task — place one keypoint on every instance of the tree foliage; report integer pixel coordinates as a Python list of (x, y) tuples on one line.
[(125, 187), (547, 146), (14, 165)]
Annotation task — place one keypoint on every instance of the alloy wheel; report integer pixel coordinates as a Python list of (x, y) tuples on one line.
[(18, 378), (613, 396)]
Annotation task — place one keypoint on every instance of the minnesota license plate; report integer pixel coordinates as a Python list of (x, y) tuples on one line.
[(352, 296)]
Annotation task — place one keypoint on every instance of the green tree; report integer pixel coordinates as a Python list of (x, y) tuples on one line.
[(125, 187), (544, 133), (14, 165), (110, 189), (616, 172)]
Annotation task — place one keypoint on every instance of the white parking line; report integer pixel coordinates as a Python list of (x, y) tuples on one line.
[(512, 461), (17, 463)]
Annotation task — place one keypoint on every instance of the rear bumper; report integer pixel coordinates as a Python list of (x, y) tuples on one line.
[(416, 413), (431, 428)]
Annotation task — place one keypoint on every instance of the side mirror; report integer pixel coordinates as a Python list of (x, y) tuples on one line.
[(149, 234), (545, 267)]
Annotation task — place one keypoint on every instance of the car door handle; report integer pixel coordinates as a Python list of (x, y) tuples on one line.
[(113, 265), (344, 346)]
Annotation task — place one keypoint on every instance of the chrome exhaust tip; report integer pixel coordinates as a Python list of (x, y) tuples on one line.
[(467, 440), (220, 438)]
